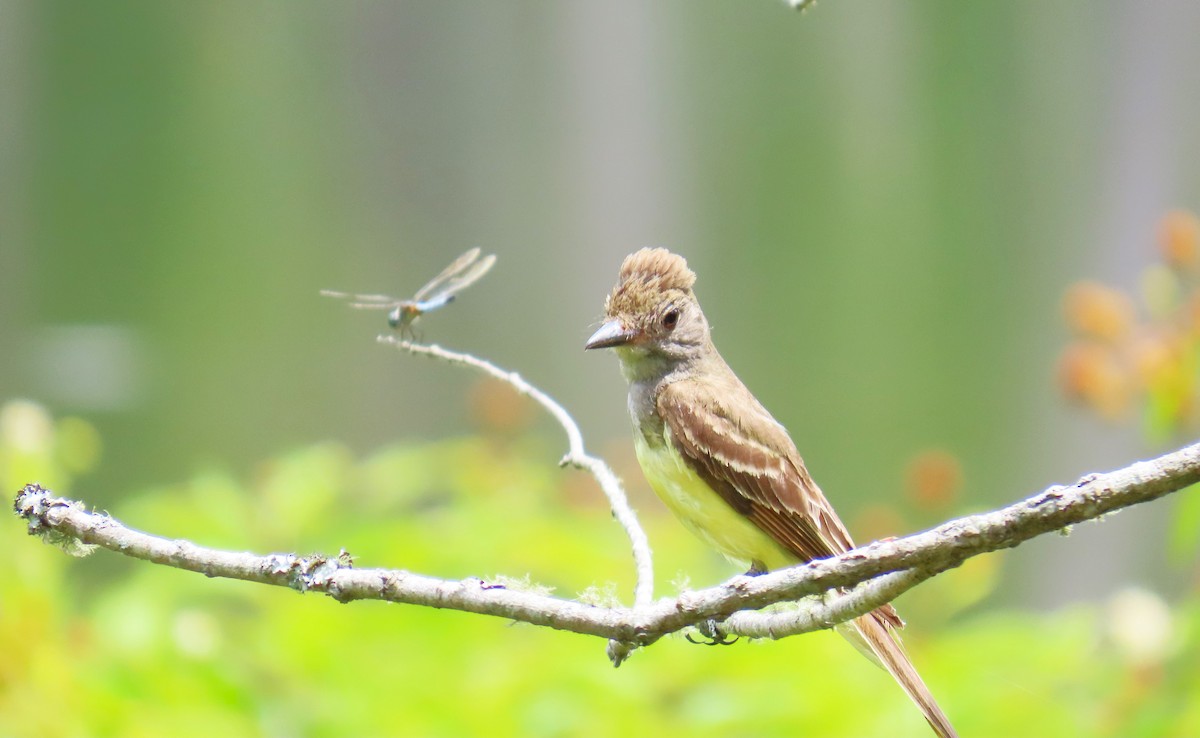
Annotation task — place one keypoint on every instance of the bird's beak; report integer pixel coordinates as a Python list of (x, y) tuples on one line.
[(610, 334)]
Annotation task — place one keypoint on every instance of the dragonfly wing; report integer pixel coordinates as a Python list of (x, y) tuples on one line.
[(467, 278), (363, 302), (455, 267), (358, 298), (371, 305)]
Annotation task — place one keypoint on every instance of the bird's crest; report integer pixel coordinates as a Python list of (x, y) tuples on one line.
[(647, 276)]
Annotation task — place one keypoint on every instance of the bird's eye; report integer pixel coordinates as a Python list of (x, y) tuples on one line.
[(670, 319)]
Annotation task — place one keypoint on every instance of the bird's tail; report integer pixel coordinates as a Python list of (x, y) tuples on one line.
[(877, 637)]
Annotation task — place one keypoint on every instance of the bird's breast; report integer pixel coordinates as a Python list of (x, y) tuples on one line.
[(703, 511)]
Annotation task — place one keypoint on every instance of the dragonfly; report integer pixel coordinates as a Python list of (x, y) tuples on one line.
[(437, 293)]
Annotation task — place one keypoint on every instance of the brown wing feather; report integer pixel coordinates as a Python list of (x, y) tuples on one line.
[(730, 440), (728, 437)]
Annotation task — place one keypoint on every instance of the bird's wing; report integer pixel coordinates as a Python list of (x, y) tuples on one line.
[(730, 440), (734, 444)]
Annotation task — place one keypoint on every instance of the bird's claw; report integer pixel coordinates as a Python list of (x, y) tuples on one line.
[(713, 635)]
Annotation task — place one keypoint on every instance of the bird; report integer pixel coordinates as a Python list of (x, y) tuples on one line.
[(718, 459)]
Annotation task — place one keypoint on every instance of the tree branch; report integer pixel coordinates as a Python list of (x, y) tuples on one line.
[(862, 579)]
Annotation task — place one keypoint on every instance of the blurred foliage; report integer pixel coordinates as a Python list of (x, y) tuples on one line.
[(1123, 360), (105, 646)]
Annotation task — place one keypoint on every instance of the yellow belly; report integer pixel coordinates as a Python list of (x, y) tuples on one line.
[(704, 513)]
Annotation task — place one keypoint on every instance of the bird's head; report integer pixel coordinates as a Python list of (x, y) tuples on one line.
[(651, 316)]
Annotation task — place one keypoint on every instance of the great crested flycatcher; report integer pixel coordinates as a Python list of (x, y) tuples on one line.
[(724, 466)]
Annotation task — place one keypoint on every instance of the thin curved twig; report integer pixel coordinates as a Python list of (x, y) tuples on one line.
[(576, 456)]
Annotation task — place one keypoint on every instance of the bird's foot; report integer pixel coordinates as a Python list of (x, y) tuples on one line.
[(712, 635), (757, 569)]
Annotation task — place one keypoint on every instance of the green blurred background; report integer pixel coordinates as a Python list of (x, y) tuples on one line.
[(884, 201)]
